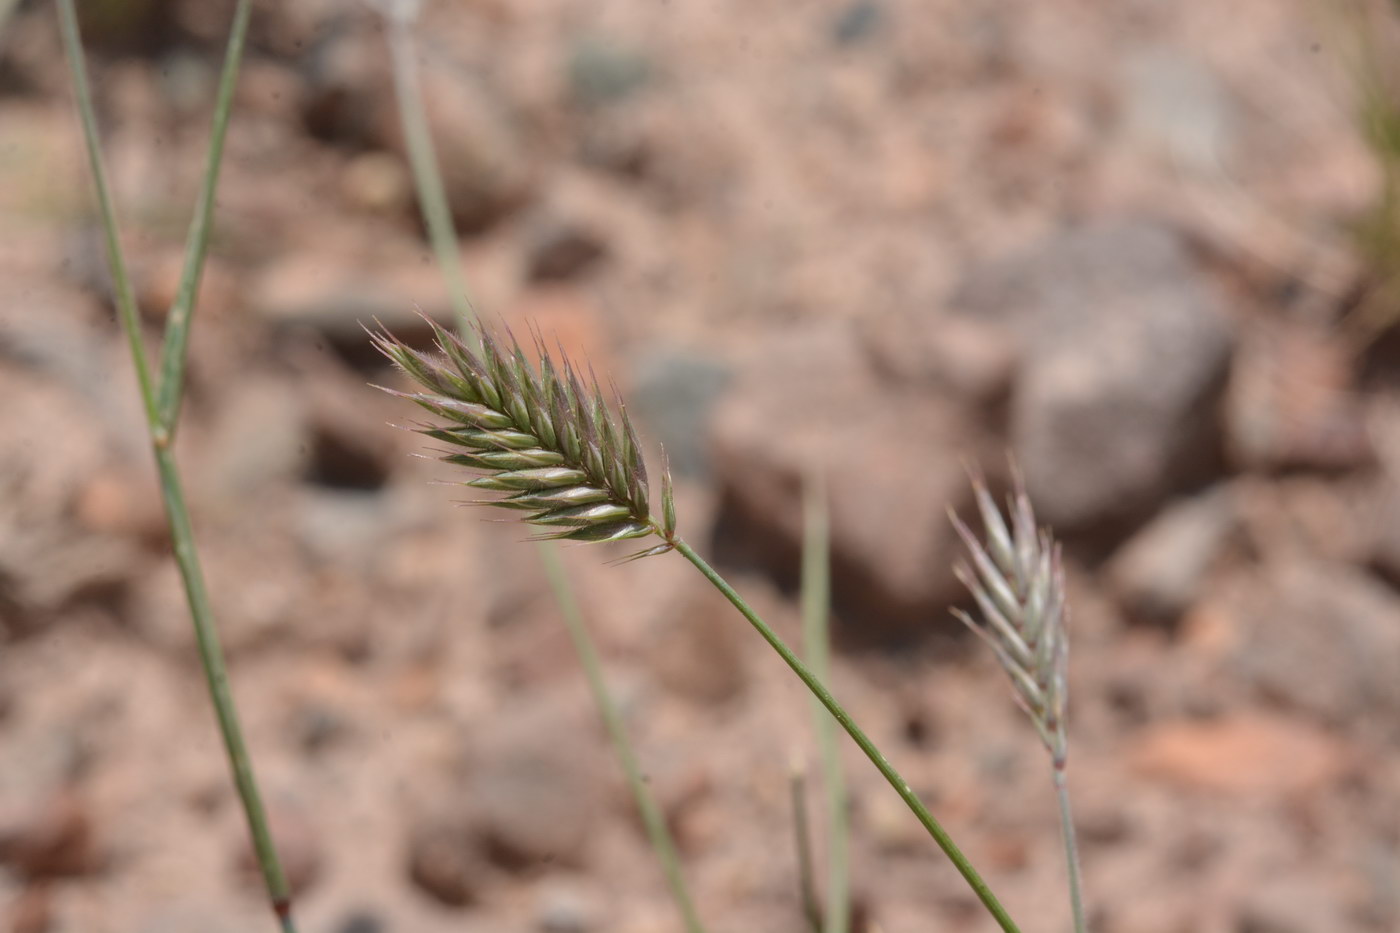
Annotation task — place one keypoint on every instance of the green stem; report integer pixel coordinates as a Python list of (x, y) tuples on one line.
[(123, 295), (652, 816), (216, 674), (816, 639), (427, 177), (1076, 897), (811, 908), (177, 513), (818, 689), (177, 324)]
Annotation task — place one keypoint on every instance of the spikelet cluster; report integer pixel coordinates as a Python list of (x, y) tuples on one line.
[(1017, 581), (539, 434)]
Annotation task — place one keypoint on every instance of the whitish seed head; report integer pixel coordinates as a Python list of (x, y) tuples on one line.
[(1017, 581), (540, 434)]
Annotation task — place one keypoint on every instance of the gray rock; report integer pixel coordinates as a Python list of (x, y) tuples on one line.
[(1178, 110), (564, 908), (1123, 354), (673, 393), (602, 72), (1160, 571), (1323, 638)]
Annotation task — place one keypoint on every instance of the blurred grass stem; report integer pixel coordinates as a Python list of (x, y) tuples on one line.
[(423, 162), (811, 906), (877, 758), (816, 638), (652, 817), (1076, 896), (162, 405), (432, 201)]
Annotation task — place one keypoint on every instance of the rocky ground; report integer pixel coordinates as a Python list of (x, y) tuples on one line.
[(888, 236)]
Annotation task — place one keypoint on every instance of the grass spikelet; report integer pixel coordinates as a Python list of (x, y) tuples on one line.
[(539, 434), (1017, 581)]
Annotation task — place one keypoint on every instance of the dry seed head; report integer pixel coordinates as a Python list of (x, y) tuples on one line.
[(539, 434), (1017, 581)]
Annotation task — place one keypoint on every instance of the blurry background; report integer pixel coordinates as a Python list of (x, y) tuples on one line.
[(1148, 248)]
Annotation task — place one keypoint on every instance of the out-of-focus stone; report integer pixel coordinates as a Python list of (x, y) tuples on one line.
[(809, 402), (336, 290), (32, 910), (260, 439), (1291, 904), (565, 908), (118, 502), (1123, 353), (1322, 638), (696, 650), (443, 863), (954, 353), (487, 169), (56, 840), (1160, 571), (537, 793), (1245, 755), (673, 393), (603, 72), (558, 249), (1292, 401)]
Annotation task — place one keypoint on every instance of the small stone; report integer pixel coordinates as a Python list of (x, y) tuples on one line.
[(362, 921), (443, 863), (955, 353), (376, 182), (673, 393), (1322, 638), (55, 840), (603, 72), (564, 909), (1291, 904), (1293, 403), (1160, 571), (32, 910), (558, 249), (536, 799), (696, 650), (1245, 755), (1094, 309), (118, 502)]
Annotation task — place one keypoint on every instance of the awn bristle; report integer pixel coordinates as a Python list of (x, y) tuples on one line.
[(1018, 584), (539, 434)]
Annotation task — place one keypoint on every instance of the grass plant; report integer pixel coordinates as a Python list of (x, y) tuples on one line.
[(1018, 583), (161, 396), (548, 441)]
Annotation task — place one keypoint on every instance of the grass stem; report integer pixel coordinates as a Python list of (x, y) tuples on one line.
[(174, 349), (652, 817), (802, 833), (165, 398), (432, 201), (1076, 897), (877, 758), (816, 645), (423, 162)]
